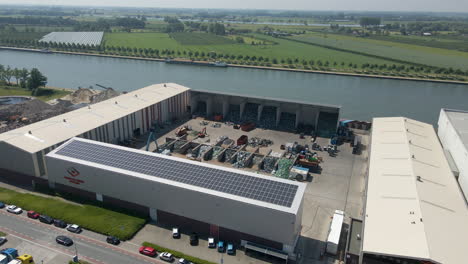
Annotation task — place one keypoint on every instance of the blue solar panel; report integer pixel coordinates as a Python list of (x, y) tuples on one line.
[(239, 184)]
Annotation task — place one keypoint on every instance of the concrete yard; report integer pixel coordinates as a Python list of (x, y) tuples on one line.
[(339, 186)]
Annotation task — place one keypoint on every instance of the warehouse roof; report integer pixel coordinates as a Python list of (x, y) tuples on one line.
[(284, 195), (414, 207), (459, 120), (276, 100), (55, 130)]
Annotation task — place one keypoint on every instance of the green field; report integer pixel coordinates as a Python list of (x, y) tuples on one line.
[(282, 50), (191, 38), (443, 42), (395, 50), (91, 217), (44, 94)]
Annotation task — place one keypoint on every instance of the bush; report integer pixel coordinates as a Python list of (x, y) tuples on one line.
[(89, 216), (177, 254)]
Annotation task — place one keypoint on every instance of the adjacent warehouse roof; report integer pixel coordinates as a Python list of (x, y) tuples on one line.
[(459, 120), (55, 130), (277, 100), (271, 192), (79, 38), (414, 207)]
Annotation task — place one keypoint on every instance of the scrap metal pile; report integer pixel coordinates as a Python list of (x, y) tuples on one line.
[(229, 153), (269, 164), (259, 142), (284, 165), (202, 150), (216, 151), (241, 159)]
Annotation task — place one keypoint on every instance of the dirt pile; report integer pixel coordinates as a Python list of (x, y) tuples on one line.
[(82, 95), (21, 114), (104, 95)]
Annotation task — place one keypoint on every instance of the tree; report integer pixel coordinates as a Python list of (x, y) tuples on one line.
[(369, 21), (24, 74), (36, 80), (7, 74), (16, 74)]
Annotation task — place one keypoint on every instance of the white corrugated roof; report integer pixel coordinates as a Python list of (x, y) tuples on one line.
[(49, 132), (422, 219), (459, 120)]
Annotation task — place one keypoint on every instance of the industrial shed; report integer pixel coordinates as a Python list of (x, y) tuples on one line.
[(323, 118), (228, 204), (114, 120), (453, 134), (414, 210)]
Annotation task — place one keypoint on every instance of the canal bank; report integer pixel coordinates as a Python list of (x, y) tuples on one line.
[(206, 63), (360, 98)]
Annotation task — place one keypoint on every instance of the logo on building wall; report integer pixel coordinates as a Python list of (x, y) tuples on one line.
[(74, 173)]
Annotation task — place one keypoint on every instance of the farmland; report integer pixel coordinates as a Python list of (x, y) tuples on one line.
[(190, 38), (279, 48), (395, 50)]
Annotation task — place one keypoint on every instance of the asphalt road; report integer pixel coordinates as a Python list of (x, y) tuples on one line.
[(90, 246)]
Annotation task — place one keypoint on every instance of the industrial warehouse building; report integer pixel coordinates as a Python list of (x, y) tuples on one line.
[(64, 152), (453, 134), (125, 116), (114, 120), (414, 210), (230, 204)]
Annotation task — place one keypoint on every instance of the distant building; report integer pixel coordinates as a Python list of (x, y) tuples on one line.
[(414, 211), (453, 134)]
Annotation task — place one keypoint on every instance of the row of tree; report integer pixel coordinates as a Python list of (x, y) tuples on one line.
[(30, 80), (175, 25)]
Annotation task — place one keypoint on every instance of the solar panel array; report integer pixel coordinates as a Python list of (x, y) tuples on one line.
[(265, 190), (81, 38)]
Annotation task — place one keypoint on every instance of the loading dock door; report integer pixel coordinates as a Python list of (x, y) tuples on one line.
[(214, 231), (326, 125)]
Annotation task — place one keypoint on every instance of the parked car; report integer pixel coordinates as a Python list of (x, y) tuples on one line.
[(184, 261), (175, 232), (33, 214), (64, 240), (166, 256), (3, 240), (2, 205), (231, 250), (194, 239), (221, 246), (112, 240), (60, 223), (211, 242), (148, 251), (14, 209), (74, 228), (46, 219)]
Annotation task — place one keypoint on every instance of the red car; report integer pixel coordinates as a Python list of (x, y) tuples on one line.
[(148, 251), (33, 215)]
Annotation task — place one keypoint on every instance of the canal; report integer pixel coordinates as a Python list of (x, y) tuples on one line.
[(361, 98)]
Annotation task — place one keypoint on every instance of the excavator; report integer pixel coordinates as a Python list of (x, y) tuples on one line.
[(152, 137)]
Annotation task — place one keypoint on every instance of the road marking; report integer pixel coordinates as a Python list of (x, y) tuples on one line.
[(84, 239), (27, 238)]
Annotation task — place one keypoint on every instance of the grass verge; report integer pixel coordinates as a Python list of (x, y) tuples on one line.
[(2, 234), (89, 216), (177, 254), (44, 94)]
